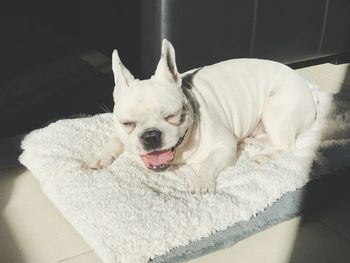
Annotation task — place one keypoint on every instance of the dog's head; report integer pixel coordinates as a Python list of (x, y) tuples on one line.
[(152, 116)]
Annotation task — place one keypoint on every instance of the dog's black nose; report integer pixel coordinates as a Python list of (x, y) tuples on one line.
[(151, 139)]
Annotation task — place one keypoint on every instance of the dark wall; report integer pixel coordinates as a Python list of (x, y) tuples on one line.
[(337, 28), (205, 31), (110, 24), (42, 76), (289, 31)]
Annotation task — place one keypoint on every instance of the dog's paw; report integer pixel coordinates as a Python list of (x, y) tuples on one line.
[(97, 164), (247, 143), (202, 185), (262, 158)]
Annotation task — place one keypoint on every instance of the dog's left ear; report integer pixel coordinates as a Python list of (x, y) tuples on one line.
[(167, 69)]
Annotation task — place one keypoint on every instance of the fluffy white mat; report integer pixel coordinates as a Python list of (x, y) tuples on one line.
[(128, 214)]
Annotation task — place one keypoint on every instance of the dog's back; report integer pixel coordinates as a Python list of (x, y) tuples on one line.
[(238, 91)]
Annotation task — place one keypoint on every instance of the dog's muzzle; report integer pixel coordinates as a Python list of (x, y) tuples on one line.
[(160, 160), (151, 139)]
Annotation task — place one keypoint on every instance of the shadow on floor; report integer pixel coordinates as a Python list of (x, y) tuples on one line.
[(9, 251), (321, 195)]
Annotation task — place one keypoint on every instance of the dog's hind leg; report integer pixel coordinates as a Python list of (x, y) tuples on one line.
[(279, 137), (259, 136), (281, 124), (286, 114), (279, 130)]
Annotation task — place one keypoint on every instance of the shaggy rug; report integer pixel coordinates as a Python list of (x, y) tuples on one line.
[(129, 214)]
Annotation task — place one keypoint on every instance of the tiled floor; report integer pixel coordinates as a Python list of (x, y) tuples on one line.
[(33, 231)]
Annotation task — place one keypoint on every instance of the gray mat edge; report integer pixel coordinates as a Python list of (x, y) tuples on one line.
[(287, 207)]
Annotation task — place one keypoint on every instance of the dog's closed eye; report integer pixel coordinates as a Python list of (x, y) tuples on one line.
[(129, 125), (173, 118)]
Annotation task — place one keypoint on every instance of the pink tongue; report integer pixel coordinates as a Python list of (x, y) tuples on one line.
[(158, 158)]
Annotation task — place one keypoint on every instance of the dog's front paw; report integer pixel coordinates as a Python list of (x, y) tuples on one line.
[(97, 163), (262, 158), (202, 185)]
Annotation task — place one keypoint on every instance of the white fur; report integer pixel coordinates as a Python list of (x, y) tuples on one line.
[(237, 98)]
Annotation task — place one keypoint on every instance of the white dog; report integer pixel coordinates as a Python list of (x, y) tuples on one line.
[(200, 116)]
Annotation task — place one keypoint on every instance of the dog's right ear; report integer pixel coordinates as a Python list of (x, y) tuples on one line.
[(122, 76)]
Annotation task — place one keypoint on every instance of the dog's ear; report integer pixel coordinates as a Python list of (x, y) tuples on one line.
[(167, 69), (122, 76)]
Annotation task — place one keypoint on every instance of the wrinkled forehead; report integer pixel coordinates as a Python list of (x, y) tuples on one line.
[(150, 97)]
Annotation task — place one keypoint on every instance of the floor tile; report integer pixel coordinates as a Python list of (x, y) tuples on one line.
[(337, 217), (38, 232), (297, 240), (325, 83), (335, 72), (271, 245), (89, 257), (316, 243)]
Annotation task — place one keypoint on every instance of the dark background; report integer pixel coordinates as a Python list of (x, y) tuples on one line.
[(43, 76)]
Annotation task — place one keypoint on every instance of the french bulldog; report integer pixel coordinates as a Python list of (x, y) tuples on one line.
[(201, 116)]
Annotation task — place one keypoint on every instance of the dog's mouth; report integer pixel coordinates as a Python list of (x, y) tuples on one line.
[(160, 160)]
